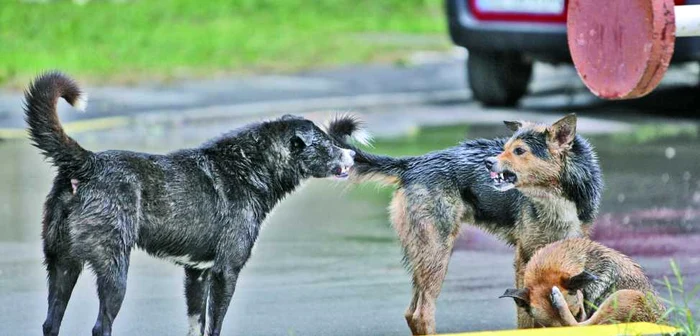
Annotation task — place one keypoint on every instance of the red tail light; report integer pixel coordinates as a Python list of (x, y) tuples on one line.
[(514, 15)]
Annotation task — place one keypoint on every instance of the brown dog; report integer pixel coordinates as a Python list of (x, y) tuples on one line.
[(541, 185), (569, 280)]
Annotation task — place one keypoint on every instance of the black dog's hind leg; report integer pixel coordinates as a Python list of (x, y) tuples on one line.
[(195, 294), (106, 239), (62, 266), (111, 287), (63, 273)]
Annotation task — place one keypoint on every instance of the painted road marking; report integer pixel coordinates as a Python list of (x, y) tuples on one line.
[(72, 127), (637, 328)]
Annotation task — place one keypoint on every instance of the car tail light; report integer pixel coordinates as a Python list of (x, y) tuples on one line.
[(679, 2), (481, 11)]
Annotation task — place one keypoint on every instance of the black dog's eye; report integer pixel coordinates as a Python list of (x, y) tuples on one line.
[(519, 151)]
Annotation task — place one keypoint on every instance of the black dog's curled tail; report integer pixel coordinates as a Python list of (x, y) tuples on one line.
[(367, 166), (45, 130)]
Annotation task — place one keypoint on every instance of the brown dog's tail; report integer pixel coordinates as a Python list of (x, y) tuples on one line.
[(45, 129), (367, 166)]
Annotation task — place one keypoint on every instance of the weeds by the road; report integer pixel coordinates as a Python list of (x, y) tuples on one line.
[(127, 40), (679, 304)]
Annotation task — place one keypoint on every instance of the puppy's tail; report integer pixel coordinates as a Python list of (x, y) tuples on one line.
[(367, 167), (45, 129)]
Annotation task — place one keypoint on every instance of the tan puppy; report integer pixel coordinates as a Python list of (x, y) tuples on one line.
[(569, 280)]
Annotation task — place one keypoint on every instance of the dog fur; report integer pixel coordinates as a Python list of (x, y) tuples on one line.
[(438, 191), (568, 280), (201, 208)]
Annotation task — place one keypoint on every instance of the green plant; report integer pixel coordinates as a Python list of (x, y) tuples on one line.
[(679, 303)]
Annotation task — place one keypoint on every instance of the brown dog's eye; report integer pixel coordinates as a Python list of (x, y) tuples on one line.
[(519, 151)]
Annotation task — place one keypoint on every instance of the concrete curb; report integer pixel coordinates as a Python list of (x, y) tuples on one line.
[(635, 328)]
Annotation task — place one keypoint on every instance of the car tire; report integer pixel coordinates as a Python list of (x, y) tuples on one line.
[(498, 79)]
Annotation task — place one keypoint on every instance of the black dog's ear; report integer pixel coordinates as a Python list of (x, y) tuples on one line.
[(290, 117), (579, 281), (300, 140), (513, 125), (520, 295)]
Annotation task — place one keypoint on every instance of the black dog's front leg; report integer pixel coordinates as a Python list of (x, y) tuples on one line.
[(232, 253), (222, 286), (196, 295)]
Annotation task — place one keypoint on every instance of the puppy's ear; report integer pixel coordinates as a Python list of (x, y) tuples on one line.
[(562, 133), (300, 140), (579, 281), (520, 295), (513, 125)]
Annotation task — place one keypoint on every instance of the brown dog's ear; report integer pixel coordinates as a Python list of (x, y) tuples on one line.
[(562, 133), (513, 125), (520, 295), (579, 281)]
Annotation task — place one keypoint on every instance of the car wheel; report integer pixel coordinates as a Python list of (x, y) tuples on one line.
[(498, 79)]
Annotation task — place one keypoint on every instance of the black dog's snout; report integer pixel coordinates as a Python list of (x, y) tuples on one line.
[(352, 153), (489, 162)]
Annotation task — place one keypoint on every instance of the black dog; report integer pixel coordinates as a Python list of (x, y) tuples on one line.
[(201, 208)]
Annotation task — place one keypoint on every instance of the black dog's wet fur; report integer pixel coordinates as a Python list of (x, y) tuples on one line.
[(204, 205)]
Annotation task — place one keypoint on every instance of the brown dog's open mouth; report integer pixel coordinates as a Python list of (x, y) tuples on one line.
[(503, 180)]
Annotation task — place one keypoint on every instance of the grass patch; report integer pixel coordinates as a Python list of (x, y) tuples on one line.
[(418, 141), (421, 140), (131, 40), (679, 304), (655, 132)]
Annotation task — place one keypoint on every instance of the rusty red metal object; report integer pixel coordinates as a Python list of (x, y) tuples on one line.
[(621, 48)]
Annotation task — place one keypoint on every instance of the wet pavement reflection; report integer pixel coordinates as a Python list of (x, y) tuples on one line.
[(328, 261)]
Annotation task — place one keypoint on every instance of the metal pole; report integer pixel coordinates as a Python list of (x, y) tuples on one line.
[(687, 20)]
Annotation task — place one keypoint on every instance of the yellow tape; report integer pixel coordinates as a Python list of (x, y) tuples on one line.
[(71, 127), (638, 328)]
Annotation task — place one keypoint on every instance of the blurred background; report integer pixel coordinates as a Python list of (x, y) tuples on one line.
[(424, 75)]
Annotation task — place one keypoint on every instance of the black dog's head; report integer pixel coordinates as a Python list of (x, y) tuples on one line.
[(534, 156), (313, 151)]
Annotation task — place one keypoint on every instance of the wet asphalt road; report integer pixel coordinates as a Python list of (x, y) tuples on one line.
[(327, 262)]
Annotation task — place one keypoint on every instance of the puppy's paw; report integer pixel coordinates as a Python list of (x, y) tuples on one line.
[(558, 301)]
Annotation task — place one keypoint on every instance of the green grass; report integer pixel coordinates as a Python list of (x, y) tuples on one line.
[(679, 304), (124, 40), (655, 132), (421, 140), (417, 142)]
